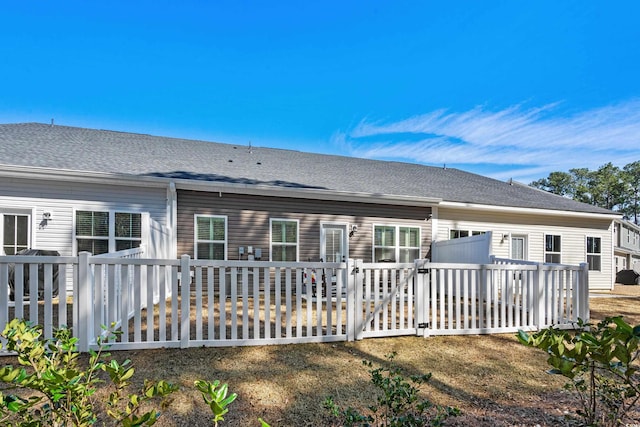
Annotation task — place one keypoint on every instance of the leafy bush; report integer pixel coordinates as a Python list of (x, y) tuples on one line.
[(601, 364), (398, 403), (58, 391)]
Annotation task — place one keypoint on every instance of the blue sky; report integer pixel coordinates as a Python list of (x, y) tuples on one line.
[(507, 89)]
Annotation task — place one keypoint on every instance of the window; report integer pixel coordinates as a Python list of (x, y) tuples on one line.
[(593, 253), (102, 232), (396, 243), (211, 237), (457, 234), (128, 230), (552, 249), (15, 233), (284, 240)]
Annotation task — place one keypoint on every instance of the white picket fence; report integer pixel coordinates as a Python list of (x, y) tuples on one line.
[(184, 303)]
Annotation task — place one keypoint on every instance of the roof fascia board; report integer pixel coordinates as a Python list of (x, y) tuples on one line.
[(472, 206)]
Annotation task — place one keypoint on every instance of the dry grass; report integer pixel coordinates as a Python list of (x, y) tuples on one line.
[(494, 380)]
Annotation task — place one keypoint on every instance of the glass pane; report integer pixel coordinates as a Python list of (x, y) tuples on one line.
[(409, 255), (552, 258), (283, 253), (594, 262), (209, 228), (517, 248), (409, 237), (9, 230), (552, 243), (593, 245), (95, 246), (84, 220), (128, 225), (213, 251), (276, 232), (291, 234), (92, 223), (384, 255), (22, 226), (284, 232), (333, 245), (122, 245), (384, 236)]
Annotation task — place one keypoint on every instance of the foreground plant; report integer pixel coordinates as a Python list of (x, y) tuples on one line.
[(55, 390), (397, 405), (601, 364)]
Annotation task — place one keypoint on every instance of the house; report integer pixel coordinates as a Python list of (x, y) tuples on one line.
[(73, 189), (626, 251)]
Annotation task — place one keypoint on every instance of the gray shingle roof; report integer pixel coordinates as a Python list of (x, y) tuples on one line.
[(79, 149)]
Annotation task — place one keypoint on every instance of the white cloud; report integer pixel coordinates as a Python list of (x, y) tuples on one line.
[(529, 142)]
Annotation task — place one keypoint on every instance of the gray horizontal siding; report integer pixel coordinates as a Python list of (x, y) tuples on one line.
[(248, 221)]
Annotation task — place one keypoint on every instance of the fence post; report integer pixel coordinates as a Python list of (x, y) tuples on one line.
[(539, 298), (420, 307), (354, 300), (83, 303), (185, 300), (583, 293)]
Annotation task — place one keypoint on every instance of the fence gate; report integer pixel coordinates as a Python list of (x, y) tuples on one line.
[(385, 300)]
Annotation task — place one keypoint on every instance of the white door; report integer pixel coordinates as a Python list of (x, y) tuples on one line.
[(333, 243)]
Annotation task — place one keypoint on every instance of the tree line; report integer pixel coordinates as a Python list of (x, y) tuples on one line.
[(609, 187)]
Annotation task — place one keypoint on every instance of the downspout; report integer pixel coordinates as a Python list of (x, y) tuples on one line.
[(172, 220), (434, 229)]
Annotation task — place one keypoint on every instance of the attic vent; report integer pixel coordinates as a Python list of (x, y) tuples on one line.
[(258, 163), (230, 161)]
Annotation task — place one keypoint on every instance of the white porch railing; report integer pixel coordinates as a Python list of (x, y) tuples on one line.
[(183, 303)]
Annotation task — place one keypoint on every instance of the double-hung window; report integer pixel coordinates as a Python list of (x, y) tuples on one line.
[(396, 243), (552, 249), (211, 237), (284, 240), (594, 250), (100, 232)]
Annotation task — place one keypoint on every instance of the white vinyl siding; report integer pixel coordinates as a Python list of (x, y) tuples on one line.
[(573, 229), (62, 199)]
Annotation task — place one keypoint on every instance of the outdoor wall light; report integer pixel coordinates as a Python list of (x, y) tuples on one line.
[(46, 216), (504, 237), (354, 230)]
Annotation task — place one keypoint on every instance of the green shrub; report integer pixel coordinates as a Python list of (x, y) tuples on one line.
[(398, 403), (601, 364), (58, 391)]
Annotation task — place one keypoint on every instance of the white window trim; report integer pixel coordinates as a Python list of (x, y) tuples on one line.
[(544, 246), (397, 239), (297, 244), (28, 212), (144, 225), (195, 234), (587, 253)]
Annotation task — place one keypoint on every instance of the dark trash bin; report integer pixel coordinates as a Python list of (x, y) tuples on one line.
[(40, 278)]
